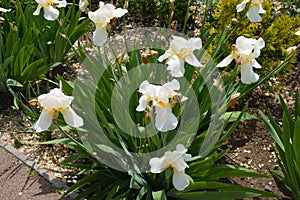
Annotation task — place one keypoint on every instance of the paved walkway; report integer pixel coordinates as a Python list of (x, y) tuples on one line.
[(18, 181)]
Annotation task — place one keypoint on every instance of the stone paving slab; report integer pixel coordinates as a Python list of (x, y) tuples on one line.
[(19, 181)]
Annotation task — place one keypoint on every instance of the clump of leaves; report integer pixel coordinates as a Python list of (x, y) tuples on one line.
[(287, 138)]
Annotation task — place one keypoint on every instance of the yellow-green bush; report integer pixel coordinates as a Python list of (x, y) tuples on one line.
[(277, 29)]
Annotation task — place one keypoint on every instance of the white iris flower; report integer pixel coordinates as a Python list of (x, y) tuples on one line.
[(83, 5), (50, 11), (4, 10), (160, 96), (53, 102), (102, 18), (244, 53), (175, 160), (180, 51), (254, 10)]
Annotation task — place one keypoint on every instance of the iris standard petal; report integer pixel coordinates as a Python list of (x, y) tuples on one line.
[(194, 44), (172, 86), (253, 14), (72, 118), (260, 43), (157, 164), (119, 12), (176, 66), (44, 121), (178, 43), (55, 99), (247, 74), (176, 160), (101, 4), (243, 43), (148, 89), (100, 36), (50, 13), (226, 61), (60, 4), (162, 96), (180, 180)]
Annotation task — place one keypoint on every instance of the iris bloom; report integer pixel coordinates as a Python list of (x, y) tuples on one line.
[(4, 10), (180, 51), (244, 52), (102, 18), (83, 5), (50, 11), (175, 160), (254, 10), (53, 102), (160, 96)]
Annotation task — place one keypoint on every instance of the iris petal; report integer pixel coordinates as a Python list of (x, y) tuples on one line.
[(180, 180), (72, 118), (51, 13), (44, 121), (226, 61)]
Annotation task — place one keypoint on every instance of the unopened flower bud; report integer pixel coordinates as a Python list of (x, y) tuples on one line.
[(225, 74), (192, 8), (234, 21), (145, 58)]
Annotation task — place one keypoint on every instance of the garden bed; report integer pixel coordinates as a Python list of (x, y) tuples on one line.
[(250, 145)]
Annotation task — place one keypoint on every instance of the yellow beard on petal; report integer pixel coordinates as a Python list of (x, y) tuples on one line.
[(50, 3)]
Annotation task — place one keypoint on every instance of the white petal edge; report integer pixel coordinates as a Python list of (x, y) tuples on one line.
[(255, 64), (165, 56), (240, 7), (119, 12), (194, 43), (176, 66), (100, 36), (142, 103), (60, 4), (4, 10), (248, 76), (226, 61), (253, 14), (44, 121), (51, 13), (37, 11), (72, 118), (180, 180), (193, 60), (172, 85), (157, 164), (165, 120)]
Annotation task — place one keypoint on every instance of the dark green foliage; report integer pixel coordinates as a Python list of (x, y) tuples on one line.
[(159, 9), (30, 45), (287, 139)]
